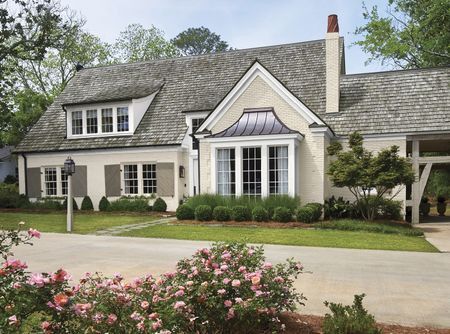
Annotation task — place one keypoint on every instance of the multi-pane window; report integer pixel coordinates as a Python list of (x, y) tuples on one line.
[(63, 182), (278, 170), (91, 121), (107, 120), (251, 171), (149, 178), (196, 122), (131, 180), (77, 122), (122, 119), (51, 181), (226, 174)]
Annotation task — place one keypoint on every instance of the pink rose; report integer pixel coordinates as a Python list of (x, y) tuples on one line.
[(112, 318), (45, 325), (221, 291), (228, 303), (145, 304), (179, 305), (226, 280), (236, 283), (230, 314), (279, 279), (256, 280), (34, 233), (267, 265), (179, 293), (12, 320)]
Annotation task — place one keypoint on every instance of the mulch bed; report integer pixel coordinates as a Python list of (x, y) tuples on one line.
[(312, 324)]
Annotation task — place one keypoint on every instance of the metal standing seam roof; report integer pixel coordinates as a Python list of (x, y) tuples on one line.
[(255, 122)]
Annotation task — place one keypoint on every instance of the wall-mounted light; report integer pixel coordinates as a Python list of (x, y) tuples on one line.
[(181, 172)]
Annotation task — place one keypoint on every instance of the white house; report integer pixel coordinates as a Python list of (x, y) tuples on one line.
[(253, 122)]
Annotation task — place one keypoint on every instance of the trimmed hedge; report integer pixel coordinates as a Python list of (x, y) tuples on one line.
[(241, 213), (260, 214), (86, 204), (282, 214), (222, 213), (185, 212), (159, 205), (305, 214), (203, 213), (104, 204), (317, 207), (132, 204)]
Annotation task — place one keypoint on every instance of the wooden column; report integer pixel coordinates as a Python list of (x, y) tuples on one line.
[(416, 184)]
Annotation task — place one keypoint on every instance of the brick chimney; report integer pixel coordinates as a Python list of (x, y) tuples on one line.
[(333, 68)]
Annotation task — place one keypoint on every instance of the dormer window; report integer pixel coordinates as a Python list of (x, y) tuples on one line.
[(107, 120), (122, 119), (91, 121), (77, 122)]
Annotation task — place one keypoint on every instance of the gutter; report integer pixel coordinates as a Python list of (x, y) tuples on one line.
[(25, 173)]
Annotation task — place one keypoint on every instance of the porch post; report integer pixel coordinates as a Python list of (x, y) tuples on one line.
[(416, 184)]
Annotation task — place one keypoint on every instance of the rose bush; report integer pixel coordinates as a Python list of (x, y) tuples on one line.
[(227, 288)]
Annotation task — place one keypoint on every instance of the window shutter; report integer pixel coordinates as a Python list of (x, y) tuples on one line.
[(34, 182), (165, 183), (79, 181), (112, 180)]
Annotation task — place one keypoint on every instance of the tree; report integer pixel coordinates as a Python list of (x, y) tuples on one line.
[(369, 177), (27, 31), (197, 41), (137, 43), (414, 34)]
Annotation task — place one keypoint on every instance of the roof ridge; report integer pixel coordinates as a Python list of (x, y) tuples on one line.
[(389, 72), (184, 58)]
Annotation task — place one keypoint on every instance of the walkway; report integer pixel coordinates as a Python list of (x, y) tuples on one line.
[(409, 288), (125, 228)]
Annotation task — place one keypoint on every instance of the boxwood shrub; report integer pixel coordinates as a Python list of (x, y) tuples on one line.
[(260, 214), (282, 214), (86, 204), (132, 204), (159, 205), (317, 207), (203, 213), (104, 204), (56, 205), (222, 213), (305, 214), (185, 212), (241, 213)]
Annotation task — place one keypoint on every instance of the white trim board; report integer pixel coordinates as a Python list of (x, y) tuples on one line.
[(257, 70)]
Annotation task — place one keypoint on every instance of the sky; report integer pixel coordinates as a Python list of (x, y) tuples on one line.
[(243, 24)]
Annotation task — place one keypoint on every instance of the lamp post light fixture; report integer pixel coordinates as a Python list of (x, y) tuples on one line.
[(69, 169)]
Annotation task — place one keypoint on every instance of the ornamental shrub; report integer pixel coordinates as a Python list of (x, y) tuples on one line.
[(305, 214), (349, 319), (336, 208), (10, 179), (10, 197), (275, 201), (222, 213), (282, 214), (104, 204), (131, 204), (48, 203), (260, 214), (241, 213), (203, 213), (159, 205), (185, 212), (317, 207), (86, 204)]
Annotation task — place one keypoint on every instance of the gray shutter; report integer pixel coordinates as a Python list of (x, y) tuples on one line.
[(112, 180), (165, 183), (34, 182), (79, 181)]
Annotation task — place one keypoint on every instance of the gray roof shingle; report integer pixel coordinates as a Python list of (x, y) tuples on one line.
[(371, 103)]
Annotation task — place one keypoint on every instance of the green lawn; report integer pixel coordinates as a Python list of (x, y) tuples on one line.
[(84, 223), (295, 237)]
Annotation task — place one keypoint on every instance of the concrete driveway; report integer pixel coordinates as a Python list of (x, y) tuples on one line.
[(402, 287), (438, 234)]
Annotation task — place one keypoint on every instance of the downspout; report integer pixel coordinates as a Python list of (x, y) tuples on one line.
[(25, 173), (198, 171)]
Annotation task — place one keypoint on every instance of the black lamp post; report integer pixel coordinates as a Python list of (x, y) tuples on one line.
[(69, 169)]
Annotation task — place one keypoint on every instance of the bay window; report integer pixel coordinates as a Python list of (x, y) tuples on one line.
[(251, 171), (278, 170), (226, 177)]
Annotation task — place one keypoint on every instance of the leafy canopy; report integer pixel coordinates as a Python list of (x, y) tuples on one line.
[(369, 177), (197, 41), (413, 34)]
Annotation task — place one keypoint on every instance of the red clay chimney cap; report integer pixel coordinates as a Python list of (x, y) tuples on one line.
[(333, 25)]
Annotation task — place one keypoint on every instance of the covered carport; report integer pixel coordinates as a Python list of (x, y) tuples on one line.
[(425, 151)]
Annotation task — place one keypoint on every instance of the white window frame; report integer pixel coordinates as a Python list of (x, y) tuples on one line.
[(254, 170), (99, 107), (140, 177), (235, 169), (289, 140), (269, 170), (58, 181)]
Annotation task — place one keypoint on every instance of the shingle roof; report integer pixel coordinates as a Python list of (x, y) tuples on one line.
[(255, 122), (371, 103)]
